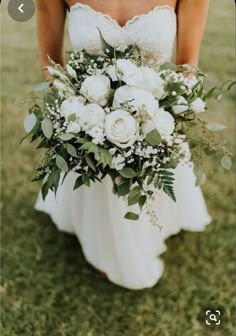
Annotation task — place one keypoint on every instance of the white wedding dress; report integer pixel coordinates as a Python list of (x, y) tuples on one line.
[(127, 251)]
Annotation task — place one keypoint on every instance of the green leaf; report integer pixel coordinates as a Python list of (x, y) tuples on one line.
[(90, 147), (90, 163), (200, 174), (134, 195), (30, 122), (142, 200), (124, 188), (131, 216), (61, 163), (40, 86), (127, 172), (66, 136), (72, 117), (78, 183), (71, 150), (44, 190), (215, 127), (47, 128), (105, 157), (86, 180), (153, 138), (226, 162), (54, 178)]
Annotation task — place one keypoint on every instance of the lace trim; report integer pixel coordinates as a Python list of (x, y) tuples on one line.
[(130, 21)]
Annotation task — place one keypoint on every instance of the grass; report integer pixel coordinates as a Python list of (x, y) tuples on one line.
[(48, 289)]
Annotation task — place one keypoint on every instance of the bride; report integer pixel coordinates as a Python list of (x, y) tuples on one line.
[(126, 251)]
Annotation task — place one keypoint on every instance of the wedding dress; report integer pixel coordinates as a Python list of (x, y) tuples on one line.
[(127, 251)]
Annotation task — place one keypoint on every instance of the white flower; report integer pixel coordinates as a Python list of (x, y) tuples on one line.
[(191, 81), (97, 134), (162, 121), (152, 82), (128, 72), (72, 107), (198, 105), (182, 105), (73, 127), (93, 115), (140, 100), (120, 128), (96, 89), (118, 162), (71, 71)]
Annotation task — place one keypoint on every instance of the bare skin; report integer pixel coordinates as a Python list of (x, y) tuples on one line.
[(191, 15)]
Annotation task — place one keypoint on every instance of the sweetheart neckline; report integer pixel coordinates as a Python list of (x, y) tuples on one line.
[(128, 22)]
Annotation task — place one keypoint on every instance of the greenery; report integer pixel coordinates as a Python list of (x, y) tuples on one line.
[(47, 286)]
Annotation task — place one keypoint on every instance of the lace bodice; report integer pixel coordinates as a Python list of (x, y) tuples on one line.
[(153, 32)]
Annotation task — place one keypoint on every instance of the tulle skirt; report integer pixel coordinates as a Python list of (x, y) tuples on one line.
[(127, 251)]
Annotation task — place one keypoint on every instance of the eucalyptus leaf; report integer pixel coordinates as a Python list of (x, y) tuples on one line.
[(71, 150), (66, 136), (153, 138), (127, 172), (134, 195), (226, 162), (47, 128), (131, 216), (30, 122), (215, 127), (142, 200), (200, 174), (61, 163), (124, 188)]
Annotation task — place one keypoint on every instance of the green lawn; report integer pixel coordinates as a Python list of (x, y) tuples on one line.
[(47, 288)]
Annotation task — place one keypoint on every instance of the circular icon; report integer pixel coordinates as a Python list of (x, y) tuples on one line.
[(21, 10)]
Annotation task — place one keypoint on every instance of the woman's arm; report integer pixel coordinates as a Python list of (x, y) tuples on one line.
[(192, 15), (51, 16)]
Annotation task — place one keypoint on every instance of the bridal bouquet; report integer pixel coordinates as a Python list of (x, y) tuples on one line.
[(110, 114)]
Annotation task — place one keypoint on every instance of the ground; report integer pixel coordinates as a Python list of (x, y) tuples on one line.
[(47, 286)]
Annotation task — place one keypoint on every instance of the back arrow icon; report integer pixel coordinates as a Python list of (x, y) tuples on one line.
[(20, 8)]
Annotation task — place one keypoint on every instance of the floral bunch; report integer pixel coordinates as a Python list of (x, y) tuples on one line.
[(110, 114)]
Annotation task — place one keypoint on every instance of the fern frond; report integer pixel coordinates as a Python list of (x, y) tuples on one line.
[(164, 180)]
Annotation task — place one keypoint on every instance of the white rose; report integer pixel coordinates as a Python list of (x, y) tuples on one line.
[(140, 100), (93, 115), (71, 71), (120, 128), (72, 106), (96, 89), (164, 122), (182, 105), (73, 127), (198, 105), (97, 134), (152, 82), (128, 72)]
